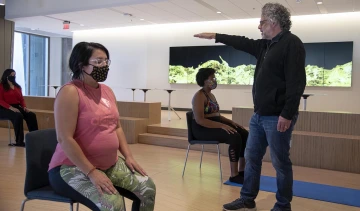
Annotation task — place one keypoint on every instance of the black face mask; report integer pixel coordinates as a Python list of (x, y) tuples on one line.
[(99, 74), (11, 79)]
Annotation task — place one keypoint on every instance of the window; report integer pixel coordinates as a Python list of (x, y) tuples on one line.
[(30, 61)]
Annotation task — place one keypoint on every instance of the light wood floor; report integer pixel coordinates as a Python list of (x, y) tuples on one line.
[(199, 190)]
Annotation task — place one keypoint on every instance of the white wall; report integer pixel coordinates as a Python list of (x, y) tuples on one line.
[(55, 64), (140, 58)]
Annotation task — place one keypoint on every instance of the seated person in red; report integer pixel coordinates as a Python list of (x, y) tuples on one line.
[(208, 124), (13, 107)]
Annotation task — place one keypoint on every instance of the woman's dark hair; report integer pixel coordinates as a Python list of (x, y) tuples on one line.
[(80, 56), (203, 75), (4, 80)]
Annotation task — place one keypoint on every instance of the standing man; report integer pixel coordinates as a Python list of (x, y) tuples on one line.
[(279, 82)]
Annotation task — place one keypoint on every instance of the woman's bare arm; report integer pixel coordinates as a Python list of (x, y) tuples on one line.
[(66, 113)]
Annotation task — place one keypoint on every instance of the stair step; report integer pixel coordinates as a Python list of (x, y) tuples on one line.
[(172, 141), (163, 130)]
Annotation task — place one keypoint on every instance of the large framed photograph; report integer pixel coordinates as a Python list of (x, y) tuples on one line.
[(328, 64)]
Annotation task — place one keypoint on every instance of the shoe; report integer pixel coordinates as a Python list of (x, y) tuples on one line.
[(237, 179), (19, 144), (240, 205)]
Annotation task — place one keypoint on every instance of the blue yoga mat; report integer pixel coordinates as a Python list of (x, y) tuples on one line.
[(315, 191)]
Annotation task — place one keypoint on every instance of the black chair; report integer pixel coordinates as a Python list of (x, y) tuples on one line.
[(40, 146), (192, 141)]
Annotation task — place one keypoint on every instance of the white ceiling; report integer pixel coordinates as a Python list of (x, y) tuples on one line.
[(173, 11)]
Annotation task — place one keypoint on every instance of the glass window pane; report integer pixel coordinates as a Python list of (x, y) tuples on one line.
[(38, 65)]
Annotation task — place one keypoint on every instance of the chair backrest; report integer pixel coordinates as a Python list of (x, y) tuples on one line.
[(189, 118), (40, 147)]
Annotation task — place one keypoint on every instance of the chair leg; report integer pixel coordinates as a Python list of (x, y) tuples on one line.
[(23, 204), (77, 206), (124, 204), (71, 206), (9, 131), (187, 154), (202, 151), (218, 150)]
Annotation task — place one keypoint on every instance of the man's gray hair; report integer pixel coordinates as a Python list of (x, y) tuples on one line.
[(277, 13)]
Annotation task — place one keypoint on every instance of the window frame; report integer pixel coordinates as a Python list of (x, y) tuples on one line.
[(47, 89)]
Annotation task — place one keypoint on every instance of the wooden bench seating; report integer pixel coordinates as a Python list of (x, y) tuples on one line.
[(132, 127), (45, 119), (325, 140), (134, 116)]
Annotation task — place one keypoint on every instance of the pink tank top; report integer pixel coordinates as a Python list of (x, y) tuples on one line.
[(96, 127)]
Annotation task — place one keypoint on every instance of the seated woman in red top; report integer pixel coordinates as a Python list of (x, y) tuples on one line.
[(13, 107), (208, 124)]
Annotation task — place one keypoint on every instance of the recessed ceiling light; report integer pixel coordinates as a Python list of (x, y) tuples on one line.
[(82, 25), (319, 2), (218, 12), (142, 19)]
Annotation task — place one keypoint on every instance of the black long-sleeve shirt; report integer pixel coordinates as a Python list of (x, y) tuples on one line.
[(280, 77)]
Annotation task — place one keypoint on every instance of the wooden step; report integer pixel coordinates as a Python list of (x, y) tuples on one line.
[(172, 141), (323, 151), (312, 121), (166, 130)]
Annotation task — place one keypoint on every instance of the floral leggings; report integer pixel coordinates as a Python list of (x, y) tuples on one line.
[(70, 182)]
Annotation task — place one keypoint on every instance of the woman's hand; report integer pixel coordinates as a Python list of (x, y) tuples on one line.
[(236, 125), (102, 182), (26, 110), (228, 129), (133, 166), (14, 109)]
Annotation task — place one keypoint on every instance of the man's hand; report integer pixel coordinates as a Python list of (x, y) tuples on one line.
[(283, 124), (208, 36)]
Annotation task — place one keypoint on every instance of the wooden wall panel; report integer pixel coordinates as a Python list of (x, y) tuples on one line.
[(6, 41), (132, 128), (45, 120), (174, 142), (150, 111), (242, 115), (154, 113), (335, 123), (339, 154), (304, 122), (39, 103), (170, 131), (135, 116), (310, 121), (320, 139)]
